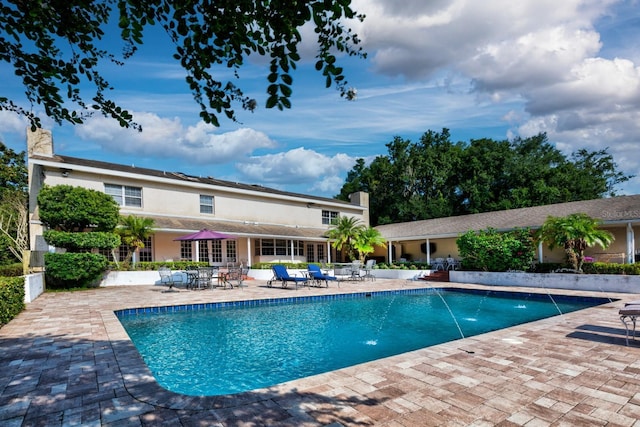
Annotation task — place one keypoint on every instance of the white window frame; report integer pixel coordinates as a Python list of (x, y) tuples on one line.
[(123, 196), (205, 207), (329, 216)]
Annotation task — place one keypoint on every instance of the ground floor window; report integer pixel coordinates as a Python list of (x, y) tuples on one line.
[(144, 254), (186, 251), (282, 247), (316, 252), (216, 251), (232, 255)]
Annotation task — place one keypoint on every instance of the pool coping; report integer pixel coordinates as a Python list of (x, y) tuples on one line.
[(142, 385)]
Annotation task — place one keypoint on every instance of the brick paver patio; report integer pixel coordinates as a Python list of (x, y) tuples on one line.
[(66, 361)]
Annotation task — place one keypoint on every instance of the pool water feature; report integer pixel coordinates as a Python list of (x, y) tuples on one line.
[(223, 348)]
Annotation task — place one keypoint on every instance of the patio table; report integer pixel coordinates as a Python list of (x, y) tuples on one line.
[(192, 277)]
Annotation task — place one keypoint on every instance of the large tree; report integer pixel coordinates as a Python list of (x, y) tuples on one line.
[(13, 205), (436, 177), (57, 49)]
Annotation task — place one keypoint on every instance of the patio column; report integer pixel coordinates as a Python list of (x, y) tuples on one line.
[(631, 243), (328, 252), (390, 251), (291, 249), (249, 252), (428, 251), (197, 251), (540, 254)]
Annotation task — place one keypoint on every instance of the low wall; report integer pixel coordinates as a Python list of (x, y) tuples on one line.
[(126, 278), (33, 286), (582, 282)]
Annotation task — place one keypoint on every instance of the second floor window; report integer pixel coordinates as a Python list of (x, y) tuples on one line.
[(329, 216), (206, 204), (125, 195)]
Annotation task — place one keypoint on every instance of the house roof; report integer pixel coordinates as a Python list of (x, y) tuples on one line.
[(253, 229), (614, 210), (69, 162)]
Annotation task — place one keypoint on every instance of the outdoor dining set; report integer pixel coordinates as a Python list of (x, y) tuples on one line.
[(205, 277)]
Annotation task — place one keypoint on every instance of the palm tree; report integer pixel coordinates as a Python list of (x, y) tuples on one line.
[(344, 231), (133, 231), (366, 241), (574, 233)]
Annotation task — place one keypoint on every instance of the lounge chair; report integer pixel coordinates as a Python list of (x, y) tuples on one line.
[(280, 274), (168, 278), (316, 275)]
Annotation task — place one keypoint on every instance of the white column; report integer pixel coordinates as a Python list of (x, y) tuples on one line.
[(328, 252), (631, 244), (291, 249), (197, 251), (390, 251), (540, 254), (249, 262), (428, 252)]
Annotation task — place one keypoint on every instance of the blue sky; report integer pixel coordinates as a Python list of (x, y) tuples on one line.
[(494, 69)]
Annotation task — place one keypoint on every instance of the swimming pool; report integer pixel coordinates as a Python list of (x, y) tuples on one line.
[(224, 348)]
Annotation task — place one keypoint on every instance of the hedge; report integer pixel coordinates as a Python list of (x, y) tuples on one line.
[(11, 298), (12, 270), (73, 270), (610, 268), (77, 241)]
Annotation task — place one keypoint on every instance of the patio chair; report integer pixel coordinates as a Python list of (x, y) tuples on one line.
[(168, 278), (452, 264), (630, 312), (355, 270), (205, 274), (317, 276), (280, 274), (234, 277), (438, 264), (368, 269)]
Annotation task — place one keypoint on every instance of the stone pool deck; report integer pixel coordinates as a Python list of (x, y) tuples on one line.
[(66, 361)]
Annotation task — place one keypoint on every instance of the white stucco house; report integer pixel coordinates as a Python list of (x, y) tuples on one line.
[(267, 225)]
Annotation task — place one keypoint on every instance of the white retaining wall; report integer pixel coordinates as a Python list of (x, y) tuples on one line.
[(125, 278), (583, 282), (33, 286)]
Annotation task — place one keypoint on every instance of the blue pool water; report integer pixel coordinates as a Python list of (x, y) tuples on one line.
[(227, 348)]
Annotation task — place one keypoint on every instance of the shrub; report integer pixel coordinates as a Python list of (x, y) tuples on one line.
[(12, 270), (68, 208), (71, 270), (74, 242), (548, 267), (490, 250), (610, 268), (11, 298)]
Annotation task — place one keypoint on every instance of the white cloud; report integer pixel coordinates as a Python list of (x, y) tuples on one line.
[(12, 122), (297, 166), (169, 138)]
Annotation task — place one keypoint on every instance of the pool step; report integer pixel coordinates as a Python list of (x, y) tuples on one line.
[(439, 276)]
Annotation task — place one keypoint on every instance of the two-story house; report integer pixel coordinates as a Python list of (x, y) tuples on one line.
[(266, 224)]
